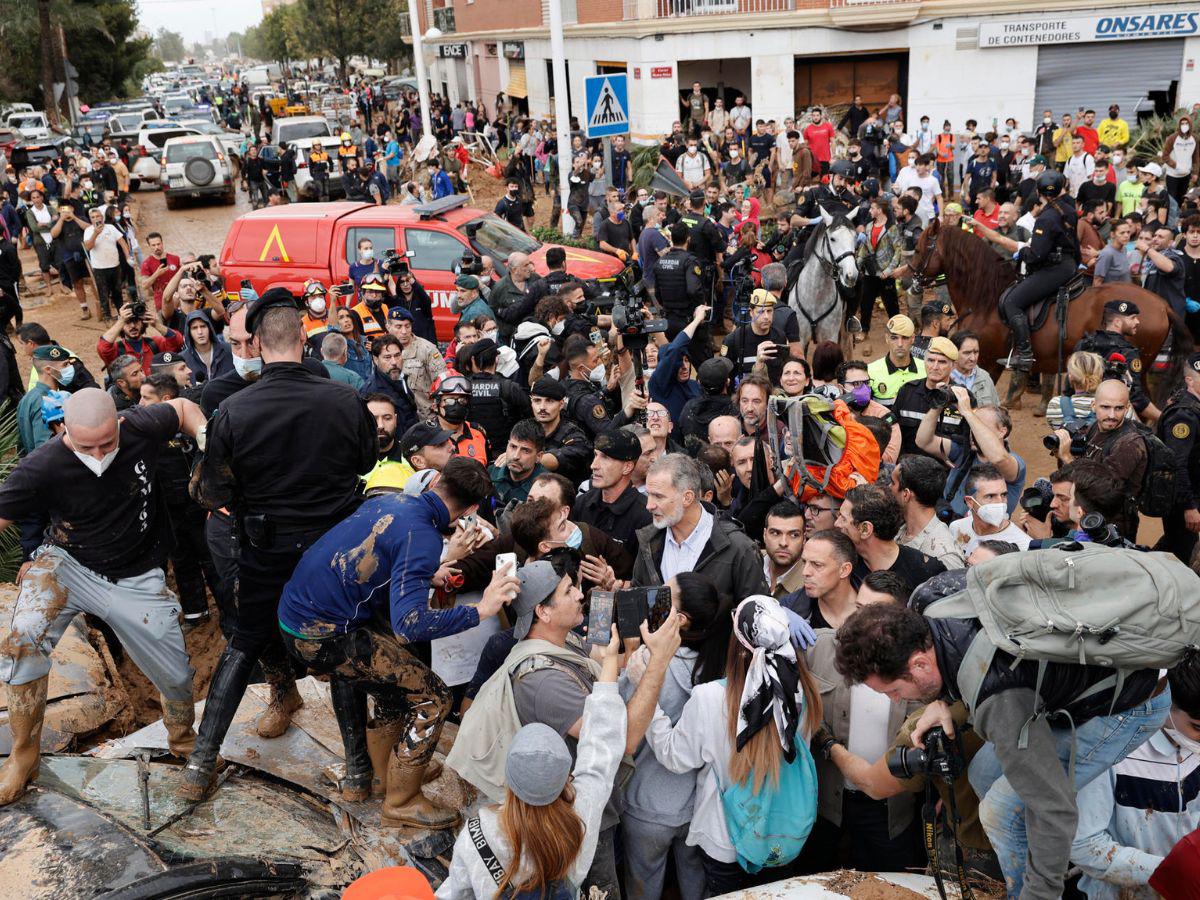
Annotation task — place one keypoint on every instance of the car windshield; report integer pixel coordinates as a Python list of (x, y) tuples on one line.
[(289, 131), (178, 153), (203, 127), (494, 237), (25, 121), (128, 121)]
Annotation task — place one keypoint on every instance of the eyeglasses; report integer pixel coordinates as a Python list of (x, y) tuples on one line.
[(858, 382), (657, 414), (811, 511)]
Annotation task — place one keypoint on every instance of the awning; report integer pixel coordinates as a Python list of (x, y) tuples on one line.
[(516, 79)]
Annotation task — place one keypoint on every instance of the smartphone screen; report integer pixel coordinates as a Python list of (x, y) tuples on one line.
[(658, 602), (631, 612), (600, 618)]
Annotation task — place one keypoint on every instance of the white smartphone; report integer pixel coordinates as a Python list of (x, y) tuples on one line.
[(506, 560)]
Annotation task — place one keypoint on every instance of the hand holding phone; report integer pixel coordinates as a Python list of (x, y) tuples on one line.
[(600, 618)]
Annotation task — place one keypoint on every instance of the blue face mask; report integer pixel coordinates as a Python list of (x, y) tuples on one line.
[(575, 541), (66, 375)]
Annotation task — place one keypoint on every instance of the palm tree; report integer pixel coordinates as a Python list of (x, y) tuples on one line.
[(10, 545), (46, 43)]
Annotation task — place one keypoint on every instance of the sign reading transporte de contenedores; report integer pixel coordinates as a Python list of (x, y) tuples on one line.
[(1076, 29)]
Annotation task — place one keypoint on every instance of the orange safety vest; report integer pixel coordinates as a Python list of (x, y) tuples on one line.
[(314, 326), (472, 443), (370, 326), (945, 147)]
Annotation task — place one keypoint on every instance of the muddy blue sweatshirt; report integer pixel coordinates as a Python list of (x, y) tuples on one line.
[(375, 565)]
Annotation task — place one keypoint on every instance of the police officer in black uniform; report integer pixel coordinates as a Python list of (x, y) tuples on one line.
[(835, 198), (285, 455), (1051, 257), (496, 402), (1179, 428), (1119, 322), (678, 281), (567, 449), (589, 404)]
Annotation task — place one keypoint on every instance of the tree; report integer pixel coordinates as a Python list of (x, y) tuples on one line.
[(387, 35), (47, 54), (335, 27), (168, 46)]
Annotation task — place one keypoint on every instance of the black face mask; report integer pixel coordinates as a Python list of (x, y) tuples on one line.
[(454, 411)]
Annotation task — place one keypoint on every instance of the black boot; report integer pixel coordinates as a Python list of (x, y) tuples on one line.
[(225, 693), (350, 707), (1022, 355)]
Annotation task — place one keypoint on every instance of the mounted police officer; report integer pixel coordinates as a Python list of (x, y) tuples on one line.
[(1179, 428), (679, 281), (1118, 324), (1051, 257)]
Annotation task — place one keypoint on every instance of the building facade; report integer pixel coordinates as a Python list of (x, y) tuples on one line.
[(948, 59)]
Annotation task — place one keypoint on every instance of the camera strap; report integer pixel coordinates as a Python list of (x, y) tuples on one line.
[(929, 822)]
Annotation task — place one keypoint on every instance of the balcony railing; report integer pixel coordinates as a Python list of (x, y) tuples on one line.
[(670, 9), (443, 19)]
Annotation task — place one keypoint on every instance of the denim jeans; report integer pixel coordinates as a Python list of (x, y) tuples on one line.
[(1100, 744)]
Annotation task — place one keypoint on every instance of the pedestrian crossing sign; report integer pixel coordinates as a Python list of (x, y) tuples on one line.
[(607, 105)]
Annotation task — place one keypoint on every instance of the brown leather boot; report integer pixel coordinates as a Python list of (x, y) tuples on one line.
[(26, 711), (277, 717), (403, 802), (380, 742), (179, 717)]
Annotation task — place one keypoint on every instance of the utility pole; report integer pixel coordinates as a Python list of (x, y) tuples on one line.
[(562, 123), (419, 67)]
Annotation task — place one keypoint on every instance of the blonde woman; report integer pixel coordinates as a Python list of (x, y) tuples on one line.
[(1085, 371)]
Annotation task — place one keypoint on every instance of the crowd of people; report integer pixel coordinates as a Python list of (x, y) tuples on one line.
[(700, 569)]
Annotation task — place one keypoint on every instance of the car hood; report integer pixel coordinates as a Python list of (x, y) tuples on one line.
[(580, 263)]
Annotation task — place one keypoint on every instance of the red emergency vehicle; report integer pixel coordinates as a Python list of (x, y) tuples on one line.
[(284, 246)]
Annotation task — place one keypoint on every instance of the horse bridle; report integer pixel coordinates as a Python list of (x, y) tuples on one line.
[(831, 265)]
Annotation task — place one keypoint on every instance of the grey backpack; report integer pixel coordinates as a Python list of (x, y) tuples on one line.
[(1123, 609)]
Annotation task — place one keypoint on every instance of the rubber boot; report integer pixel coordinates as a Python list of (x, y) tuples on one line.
[(179, 716), (225, 693), (403, 802), (277, 717), (1022, 355), (380, 741), (26, 712), (350, 708)]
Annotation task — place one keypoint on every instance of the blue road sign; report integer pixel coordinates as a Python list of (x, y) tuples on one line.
[(607, 105)]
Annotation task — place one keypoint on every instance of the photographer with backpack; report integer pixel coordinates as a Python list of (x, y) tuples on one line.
[(1053, 718)]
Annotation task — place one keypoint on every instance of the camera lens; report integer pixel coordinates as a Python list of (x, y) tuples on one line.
[(1050, 442), (906, 762)]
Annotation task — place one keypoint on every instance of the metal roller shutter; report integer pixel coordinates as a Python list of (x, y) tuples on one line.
[(516, 79), (1075, 75)]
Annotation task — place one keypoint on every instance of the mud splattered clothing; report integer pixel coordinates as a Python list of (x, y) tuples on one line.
[(375, 565)]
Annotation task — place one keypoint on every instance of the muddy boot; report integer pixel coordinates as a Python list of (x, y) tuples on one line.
[(403, 802), (350, 708), (179, 716), (225, 693), (26, 710), (380, 741), (277, 717)]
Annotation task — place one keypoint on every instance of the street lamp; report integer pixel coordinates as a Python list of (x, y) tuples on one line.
[(419, 65)]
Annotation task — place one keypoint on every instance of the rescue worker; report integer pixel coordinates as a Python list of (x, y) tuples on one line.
[(567, 449), (288, 476), (679, 283), (1179, 428), (1118, 323), (897, 367), (451, 402), (316, 314), (318, 168), (372, 291), (496, 402), (1051, 257), (346, 150)]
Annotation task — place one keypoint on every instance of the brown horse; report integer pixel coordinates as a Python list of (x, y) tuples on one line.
[(977, 276)]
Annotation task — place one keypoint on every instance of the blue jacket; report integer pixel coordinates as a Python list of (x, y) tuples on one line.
[(664, 384), (375, 565), (440, 185), (222, 356), (400, 393)]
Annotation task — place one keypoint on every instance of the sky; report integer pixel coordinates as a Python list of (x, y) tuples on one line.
[(194, 19)]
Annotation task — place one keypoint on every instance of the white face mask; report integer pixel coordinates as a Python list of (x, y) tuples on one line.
[(1118, 159), (98, 466), (247, 367), (490, 334), (366, 254), (993, 514), (1185, 743), (1047, 120), (598, 375), (317, 306), (558, 328), (1185, 128)]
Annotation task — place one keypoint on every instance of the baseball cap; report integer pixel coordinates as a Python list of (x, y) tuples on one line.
[(549, 388), (696, 196), (538, 581), (619, 444), (422, 435), (714, 373), (1122, 308), (1037, 160), (51, 353), (1153, 168), (901, 325), (944, 346), (466, 283), (400, 312), (937, 309), (1193, 362), (762, 297), (166, 358), (538, 764)]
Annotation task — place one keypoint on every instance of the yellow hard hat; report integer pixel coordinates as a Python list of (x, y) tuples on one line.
[(388, 476), (346, 136)]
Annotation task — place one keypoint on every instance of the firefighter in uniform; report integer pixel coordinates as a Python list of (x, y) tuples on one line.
[(679, 282), (1119, 322), (496, 402), (318, 168), (287, 476), (1179, 428), (371, 307), (1051, 257), (316, 314), (567, 449), (451, 401)]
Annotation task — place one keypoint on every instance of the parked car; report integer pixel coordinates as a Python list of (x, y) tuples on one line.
[(145, 151), (131, 120), (196, 166), (39, 152), (294, 128), (31, 124), (231, 141)]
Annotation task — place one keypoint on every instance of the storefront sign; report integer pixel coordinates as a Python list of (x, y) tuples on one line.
[(514, 50), (1076, 29), (662, 72), (452, 51)]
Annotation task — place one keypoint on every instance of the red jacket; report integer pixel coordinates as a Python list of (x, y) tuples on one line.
[(143, 348)]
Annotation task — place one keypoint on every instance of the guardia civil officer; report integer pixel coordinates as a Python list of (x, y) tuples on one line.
[(1179, 427), (1051, 258), (284, 454)]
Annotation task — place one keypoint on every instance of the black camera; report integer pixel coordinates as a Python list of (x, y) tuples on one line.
[(393, 263), (1036, 499), (1078, 434), (137, 309), (951, 424), (941, 758), (1101, 532), (470, 264)]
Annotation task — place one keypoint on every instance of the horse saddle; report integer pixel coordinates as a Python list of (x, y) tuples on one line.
[(1040, 311)]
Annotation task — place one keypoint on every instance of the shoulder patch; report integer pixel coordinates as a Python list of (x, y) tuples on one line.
[(1135, 364), (1181, 431), (696, 269), (598, 411)]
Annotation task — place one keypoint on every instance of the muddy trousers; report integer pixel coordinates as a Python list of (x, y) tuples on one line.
[(140, 610), (190, 561), (376, 664)]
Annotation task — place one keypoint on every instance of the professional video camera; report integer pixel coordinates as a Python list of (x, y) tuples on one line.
[(951, 424), (743, 286), (941, 758), (1078, 433), (393, 263), (470, 264), (1036, 499)]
